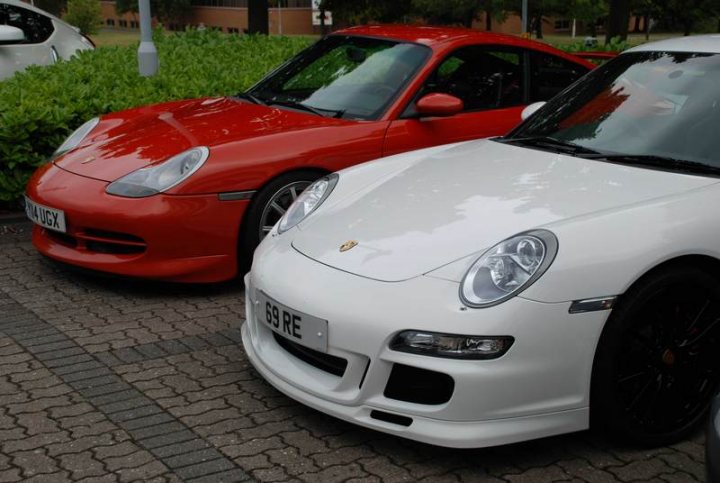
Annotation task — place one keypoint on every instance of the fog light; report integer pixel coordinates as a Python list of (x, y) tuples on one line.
[(451, 345)]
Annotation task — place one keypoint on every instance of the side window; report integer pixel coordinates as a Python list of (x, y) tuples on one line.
[(483, 77), (37, 28), (549, 75)]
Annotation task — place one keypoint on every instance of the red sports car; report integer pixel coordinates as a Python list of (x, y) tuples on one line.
[(184, 191)]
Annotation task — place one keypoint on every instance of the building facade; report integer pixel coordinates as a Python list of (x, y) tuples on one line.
[(230, 16), (295, 18)]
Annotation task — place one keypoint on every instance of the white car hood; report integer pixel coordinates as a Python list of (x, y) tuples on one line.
[(448, 204)]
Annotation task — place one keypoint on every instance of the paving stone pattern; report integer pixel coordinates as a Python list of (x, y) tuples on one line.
[(105, 380)]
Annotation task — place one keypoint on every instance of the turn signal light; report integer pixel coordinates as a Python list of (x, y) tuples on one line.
[(451, 345)]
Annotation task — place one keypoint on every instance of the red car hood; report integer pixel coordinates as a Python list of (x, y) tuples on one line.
[(126, 141)]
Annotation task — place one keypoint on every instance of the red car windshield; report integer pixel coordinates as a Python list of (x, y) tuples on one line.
[(657, 109), (343, 76)]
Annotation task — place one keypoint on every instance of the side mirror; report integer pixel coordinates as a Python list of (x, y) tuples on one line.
[(531, 109), (11, 35), (437, 104)]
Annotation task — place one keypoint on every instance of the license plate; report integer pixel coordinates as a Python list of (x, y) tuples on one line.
[(49, 218), (296, 326)]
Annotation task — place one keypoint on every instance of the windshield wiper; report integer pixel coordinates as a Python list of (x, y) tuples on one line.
[(552, 144), (318, 111), (662, 162), (299, 106), (251, 98)]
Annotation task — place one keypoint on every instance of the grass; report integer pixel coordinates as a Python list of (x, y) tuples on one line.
[(108, 37), (633, 39)]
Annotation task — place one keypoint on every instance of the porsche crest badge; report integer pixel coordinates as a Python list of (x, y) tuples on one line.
[(348, 245)]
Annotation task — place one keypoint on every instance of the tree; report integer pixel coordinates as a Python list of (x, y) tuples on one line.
[(494, 10), (164, 10), (450, 12), (588, 12), (258, 17), (537, 10), (686, 14), (618, 20), (353, 12), (55, 7), (85, 15)]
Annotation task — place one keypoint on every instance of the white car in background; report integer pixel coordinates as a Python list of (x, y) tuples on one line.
[(30, 36), (501, 290)]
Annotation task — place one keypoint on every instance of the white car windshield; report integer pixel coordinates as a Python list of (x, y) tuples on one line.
[(343, 76), (657, 109)]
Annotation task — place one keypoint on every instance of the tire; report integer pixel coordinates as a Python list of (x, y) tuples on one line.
[(262, 215), (656, 366)]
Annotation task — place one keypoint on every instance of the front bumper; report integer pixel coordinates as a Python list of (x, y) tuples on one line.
[(539, 388), (164, 237)]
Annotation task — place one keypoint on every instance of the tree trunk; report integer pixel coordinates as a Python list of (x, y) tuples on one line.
[(538, 27), (469, 20), (646, 19), (488, 20), (618, 20), (687, 27), (258, 17)]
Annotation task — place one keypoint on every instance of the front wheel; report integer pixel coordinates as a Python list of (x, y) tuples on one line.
[(268, 206), (656, 367)]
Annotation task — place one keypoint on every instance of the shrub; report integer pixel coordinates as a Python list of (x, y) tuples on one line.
[(85, 15), (40, 106), (616, 45)]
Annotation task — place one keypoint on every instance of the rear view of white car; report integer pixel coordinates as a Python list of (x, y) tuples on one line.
[(30, 36)]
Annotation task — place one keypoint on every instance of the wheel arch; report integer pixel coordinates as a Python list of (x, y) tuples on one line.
[(253, 200), (703, 262), (295, 169), (707, 263)]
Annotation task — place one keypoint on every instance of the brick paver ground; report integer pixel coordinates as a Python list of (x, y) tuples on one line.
[(104, 380)]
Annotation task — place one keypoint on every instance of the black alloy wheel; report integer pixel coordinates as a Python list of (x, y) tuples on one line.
[(657, 365)]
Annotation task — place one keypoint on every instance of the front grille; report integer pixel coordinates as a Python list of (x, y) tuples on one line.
[(62, 238), (420, 386), (113, 235), (325, 362), (101, 241)]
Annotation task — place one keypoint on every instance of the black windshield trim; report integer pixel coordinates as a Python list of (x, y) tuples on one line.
[(660, 163)]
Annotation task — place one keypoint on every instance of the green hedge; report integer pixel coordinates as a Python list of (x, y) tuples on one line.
[(42, 105)]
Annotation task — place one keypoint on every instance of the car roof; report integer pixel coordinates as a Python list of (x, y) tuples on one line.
[(436, 36), (696, 43)]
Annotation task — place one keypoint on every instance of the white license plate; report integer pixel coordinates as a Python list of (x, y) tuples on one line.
[(49, 218), (296, 326)]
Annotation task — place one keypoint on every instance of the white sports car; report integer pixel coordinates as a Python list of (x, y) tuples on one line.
[(30, 36), (501, 290)]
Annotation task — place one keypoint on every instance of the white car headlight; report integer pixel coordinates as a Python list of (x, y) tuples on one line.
[(76, 137), (309, 201), (508, 268), (160, 177)]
